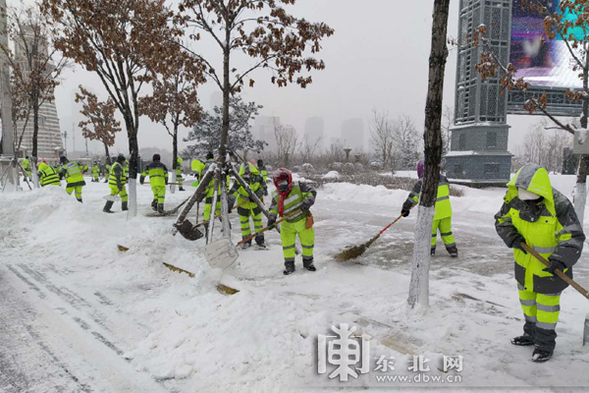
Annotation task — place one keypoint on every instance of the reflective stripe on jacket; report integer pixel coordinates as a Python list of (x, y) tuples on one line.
[(443, 206), (157, 172), (48, 175), (551, 227), (116, 177), (72, 171), (293, 201)]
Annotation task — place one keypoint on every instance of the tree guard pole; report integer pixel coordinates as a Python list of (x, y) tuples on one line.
[(213, 206)]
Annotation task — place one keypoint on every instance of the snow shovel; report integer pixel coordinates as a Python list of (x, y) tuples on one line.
[(356, 251), (111, 198), (220, 287), (566, 279), (191, 232), (222, 253)]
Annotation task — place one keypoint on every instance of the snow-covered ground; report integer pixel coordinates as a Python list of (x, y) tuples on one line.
[(77, 314)]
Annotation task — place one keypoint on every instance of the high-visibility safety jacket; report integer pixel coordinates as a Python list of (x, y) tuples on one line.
[(95, 170), (126, 171), (197, 167), (550, 227), (211, 187), (72, 171), (263, 173), (48, 175), (255, 183), (443, 206), (157, 172), (26, 164), (116, 177), (179, 166), (293, 201)]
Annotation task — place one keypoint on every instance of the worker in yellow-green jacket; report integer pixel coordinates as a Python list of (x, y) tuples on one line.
[(443, 211), (116, 182), (47, 175), (246, 207), (178, 167), (158, 179), (535, 214), (73, 174), (296, 200)]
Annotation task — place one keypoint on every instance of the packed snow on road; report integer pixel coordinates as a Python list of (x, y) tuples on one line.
[(78, 314)]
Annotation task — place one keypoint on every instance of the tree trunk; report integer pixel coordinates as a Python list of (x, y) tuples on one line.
[(35, 125), (106, 151), (132, 129), (225, 132), (580, 195), (419, 286), (174, 158)]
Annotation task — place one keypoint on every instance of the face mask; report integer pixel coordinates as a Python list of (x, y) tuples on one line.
[(283, 186)]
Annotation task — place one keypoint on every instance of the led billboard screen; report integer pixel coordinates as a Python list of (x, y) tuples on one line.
[(540, 61)]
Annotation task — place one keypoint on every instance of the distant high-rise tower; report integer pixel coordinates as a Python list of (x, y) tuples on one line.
[(49, 142), (314, 131), (353, 135)]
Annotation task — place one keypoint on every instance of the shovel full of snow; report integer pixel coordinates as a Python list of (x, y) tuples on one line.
[(222, 253), (569, 281), (356, 251)]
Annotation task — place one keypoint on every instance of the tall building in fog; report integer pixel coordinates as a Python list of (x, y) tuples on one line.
[(353, 135), (263, 129), (314, 131), (49, 143)]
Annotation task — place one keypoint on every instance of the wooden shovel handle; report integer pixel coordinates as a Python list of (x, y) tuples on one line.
[(560, 274), (247, 239)]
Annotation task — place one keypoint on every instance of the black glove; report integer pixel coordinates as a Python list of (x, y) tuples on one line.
[(554, 264), (271, 222), (405, 213), (306, 205), (517, 244)]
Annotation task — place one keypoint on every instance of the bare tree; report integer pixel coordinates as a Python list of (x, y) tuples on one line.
[(35, 66), (419, 285), (287, 142), (383, 140), (101, 124), (406, 140), (308, 147), (544, 147)]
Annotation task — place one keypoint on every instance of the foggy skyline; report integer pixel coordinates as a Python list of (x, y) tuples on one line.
[(372, 62)]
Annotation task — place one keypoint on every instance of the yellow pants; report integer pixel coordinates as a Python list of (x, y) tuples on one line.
[(114, 191), (78, 190), (288, 235), (445, 227), (541, 313), (159, 193)]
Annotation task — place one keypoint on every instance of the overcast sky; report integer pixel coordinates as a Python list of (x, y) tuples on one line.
[(378, 58)]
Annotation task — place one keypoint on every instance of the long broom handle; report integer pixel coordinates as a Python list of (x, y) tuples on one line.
[(268, 227), (560, 274)]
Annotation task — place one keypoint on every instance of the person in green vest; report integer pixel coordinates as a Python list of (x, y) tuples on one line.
[(443, 211), (107, 171), (47, 175), (264, 174), (72, 172), (535, 214), (179, 173), (95, 172), (26, 165), (116, 182), (158, 179), (246, 207), (209, 194), (286, 200), (197, 167)]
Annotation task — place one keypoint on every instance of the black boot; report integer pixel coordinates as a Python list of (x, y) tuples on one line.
[(523, 341), (308, 264), (79, 199), (107, 207), (181, 189), (453, 251), (541, 355), (154, 205), (247, 244), (289, 268), (433, 252), (260, 241), (125, 206), (160, 208)]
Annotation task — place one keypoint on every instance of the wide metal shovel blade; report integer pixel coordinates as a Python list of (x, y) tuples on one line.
[(221, 254), (188, 231)]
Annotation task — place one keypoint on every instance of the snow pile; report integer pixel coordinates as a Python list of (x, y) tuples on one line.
[(379, 195), (331, 175)]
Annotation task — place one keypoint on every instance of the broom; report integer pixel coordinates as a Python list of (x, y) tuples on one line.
[(356, 251)]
